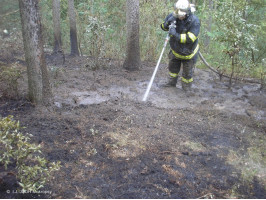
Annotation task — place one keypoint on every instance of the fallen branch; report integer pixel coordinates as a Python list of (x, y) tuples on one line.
[(222, 75), (207, 196), (9, 13)]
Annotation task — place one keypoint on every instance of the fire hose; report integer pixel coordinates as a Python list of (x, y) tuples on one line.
[(157, 66)]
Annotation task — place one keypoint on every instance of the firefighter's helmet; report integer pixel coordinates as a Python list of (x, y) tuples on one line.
[(182, 8)]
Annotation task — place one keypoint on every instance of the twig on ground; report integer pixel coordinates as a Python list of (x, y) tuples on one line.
[(208, 196)]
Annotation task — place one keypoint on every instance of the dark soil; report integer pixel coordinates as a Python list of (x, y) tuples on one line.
[(113, 145)]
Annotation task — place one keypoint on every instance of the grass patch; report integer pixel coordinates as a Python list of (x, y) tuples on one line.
[(194, 146), (252, 162)]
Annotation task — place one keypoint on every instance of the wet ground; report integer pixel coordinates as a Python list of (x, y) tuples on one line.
[(113, 145)]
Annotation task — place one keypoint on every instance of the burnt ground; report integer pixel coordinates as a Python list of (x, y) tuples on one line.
[(111, 144)]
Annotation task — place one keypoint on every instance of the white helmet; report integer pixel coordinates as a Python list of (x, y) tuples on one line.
[(182, 8)]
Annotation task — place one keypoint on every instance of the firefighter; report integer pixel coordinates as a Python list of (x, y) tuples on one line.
[(183, 43)]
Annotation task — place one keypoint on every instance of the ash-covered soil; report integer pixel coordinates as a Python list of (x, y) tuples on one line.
[(111, 144)]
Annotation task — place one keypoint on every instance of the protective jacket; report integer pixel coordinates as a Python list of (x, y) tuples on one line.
[(184, 44)]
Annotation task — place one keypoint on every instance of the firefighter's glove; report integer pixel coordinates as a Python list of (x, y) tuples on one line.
[(169, 21), (173, 33)]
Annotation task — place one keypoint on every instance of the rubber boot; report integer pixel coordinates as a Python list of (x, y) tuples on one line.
[(187, 89), (171, 82), (186, 86)]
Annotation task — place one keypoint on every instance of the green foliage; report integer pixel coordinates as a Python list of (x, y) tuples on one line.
[(229, 28), (9, 76), (33, 170), (47, 22), (94, 33), (9, 14), (100, 28), (234, 32), (152, 14)]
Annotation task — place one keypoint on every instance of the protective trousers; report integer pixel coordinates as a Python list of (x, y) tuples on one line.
[(188, 68)]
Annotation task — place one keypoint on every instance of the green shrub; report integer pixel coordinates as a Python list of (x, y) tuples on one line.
[(33, 170), (9, 76)]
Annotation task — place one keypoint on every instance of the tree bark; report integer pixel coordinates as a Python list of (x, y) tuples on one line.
[(73, 28), (38, 79), (132, 61), (57, 28)]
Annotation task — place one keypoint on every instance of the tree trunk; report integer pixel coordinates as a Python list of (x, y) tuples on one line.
[(57, 28), (38, 79), (232, 72), (73, 28), (132, 61)]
